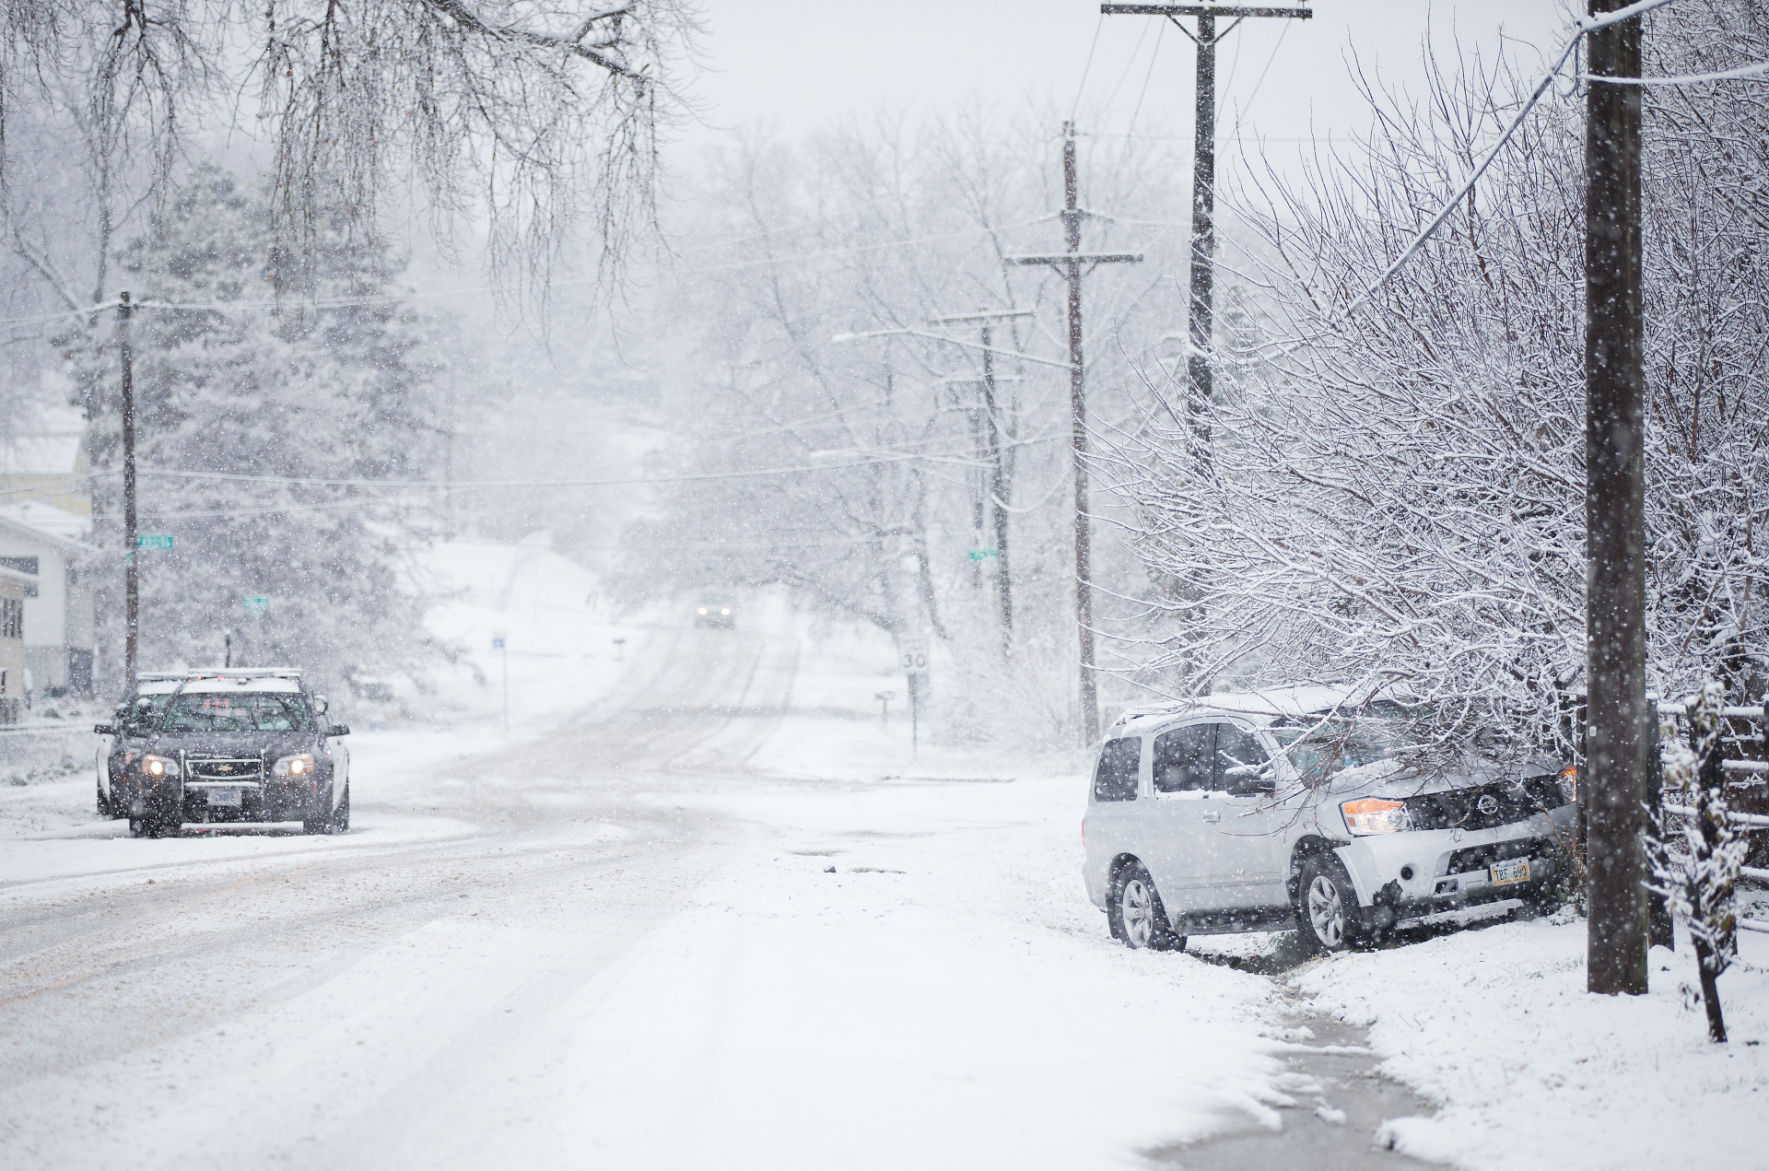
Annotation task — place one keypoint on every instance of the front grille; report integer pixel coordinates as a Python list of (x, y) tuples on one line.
[(1486, 806), (219, 768), (1480, 857)]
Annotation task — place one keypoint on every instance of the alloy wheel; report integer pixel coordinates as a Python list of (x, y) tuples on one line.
[(1326, 911), (1138, 913)]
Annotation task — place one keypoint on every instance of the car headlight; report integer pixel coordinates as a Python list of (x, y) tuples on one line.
[(159, 766), (291, 767), (1569, 784), (1376, 815), (725, 612), (703, 611)]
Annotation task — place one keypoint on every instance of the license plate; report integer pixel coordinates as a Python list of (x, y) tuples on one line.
[(231, 798), (1509, 871)]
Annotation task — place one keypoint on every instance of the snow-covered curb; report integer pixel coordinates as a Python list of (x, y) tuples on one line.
[(1529, 1070)]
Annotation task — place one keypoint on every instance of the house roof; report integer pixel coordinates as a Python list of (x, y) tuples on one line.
[(46, 523)]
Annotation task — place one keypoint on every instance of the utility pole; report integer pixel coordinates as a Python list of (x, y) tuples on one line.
[(1617, 740), (131, 569), (996, 444), (1201, 315), (1072, 265)]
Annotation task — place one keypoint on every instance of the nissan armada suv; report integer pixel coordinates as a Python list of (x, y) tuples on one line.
[(1267, 810)]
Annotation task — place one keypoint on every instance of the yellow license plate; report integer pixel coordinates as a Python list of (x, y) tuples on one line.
[(1509, 871)]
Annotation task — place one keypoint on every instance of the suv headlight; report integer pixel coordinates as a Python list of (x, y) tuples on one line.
[(1376, 815), (298, 765), (159, 766)]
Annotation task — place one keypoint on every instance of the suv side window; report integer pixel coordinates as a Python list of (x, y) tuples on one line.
[(1182, 759), (1114, 778), (1238, 756)]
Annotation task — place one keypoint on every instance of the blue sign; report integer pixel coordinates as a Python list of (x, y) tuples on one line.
[(497, 642)]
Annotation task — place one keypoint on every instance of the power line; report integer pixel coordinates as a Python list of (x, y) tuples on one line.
[(1088, 67)]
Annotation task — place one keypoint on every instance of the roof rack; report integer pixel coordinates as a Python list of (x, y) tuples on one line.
[(218, 673)]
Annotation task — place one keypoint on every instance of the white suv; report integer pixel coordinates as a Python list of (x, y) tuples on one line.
[(1260, 811)]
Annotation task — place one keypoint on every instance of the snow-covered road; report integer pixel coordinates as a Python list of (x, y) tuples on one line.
[(705, 920)]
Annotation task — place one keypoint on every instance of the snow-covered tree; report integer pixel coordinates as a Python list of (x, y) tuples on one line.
[(1696, 850), (244, 404), (530, 114), (869, 513), (1397, 494)]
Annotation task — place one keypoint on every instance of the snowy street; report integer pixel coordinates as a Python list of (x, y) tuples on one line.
[(610, 942)]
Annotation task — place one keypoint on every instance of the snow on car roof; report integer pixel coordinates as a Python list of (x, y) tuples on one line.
[(1264, 706), (231, 683)]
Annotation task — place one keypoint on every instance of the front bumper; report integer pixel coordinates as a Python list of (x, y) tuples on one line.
[(1416, 873), (273, 799)]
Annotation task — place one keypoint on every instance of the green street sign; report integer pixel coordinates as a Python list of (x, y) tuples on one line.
[(153, 540), (257, 605), (979, 554)]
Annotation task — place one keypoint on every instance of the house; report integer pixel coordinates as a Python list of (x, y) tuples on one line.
[(47, 462), (14, 586), (40, 543)]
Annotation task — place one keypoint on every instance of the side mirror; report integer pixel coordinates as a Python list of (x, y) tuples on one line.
[(144, 705), (338, 729), (105, 729), (1247, 786), (320, 705)]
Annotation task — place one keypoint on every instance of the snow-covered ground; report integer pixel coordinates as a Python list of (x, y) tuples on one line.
[(1530, 1071), (701, 906), (711, 910)]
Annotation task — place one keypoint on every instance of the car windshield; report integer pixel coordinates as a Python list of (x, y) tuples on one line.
[(250, 711), (139, 717), (1325, 746)]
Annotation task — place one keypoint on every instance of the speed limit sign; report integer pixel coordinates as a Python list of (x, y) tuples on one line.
[(912, 655)]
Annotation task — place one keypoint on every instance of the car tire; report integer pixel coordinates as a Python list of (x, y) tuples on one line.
[(1326, 906), (340, 820), (140, 827), (330, 821), (1135, 914), (101, 804)]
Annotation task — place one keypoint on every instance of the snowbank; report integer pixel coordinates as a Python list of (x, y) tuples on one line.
[(1531, 1071)]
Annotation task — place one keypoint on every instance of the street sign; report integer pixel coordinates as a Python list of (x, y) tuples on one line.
[(912, 655), (257, 605), (153, 540), (980, 554), (497, 642)]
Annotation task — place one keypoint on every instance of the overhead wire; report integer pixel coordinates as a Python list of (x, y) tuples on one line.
[(1075, 107)]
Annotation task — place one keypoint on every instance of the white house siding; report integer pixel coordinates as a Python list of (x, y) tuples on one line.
[(59, 619)]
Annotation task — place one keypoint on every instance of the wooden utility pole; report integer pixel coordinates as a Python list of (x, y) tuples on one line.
[(1073, 265), (1617, 740), (131, 570), (1201, 315), (995, 453)]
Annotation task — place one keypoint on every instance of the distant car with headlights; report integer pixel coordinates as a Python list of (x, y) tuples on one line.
[(227, 745), (1289, 808), (721, 615)]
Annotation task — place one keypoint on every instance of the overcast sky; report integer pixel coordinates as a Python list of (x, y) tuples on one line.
[(796, 64)]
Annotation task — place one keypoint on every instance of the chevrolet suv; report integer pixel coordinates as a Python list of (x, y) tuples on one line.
[(228, 745), (1273, 809)]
